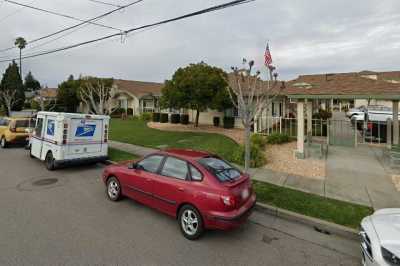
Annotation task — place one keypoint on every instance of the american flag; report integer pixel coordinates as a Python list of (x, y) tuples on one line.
[(268, 57)]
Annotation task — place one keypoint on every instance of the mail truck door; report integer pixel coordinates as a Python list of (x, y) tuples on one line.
[(36, 140), (85, 136)]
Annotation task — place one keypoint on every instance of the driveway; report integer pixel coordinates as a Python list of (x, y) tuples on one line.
[(359, 175), (70, 222)]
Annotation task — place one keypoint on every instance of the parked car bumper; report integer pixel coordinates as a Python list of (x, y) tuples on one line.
[(81, 160), (233, 219)]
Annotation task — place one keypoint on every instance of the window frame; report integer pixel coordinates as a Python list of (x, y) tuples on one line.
[(188, 175), (159, 166), (190, 166)]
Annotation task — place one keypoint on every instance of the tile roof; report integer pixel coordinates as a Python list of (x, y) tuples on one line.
[(139, 88), (48, 92), (383, 84)]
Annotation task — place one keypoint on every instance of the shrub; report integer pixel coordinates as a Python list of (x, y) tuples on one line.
[(258, 140), (175, 118), (216, 121), (145, 116), (277, 138), (257, 156), (156, 117), (163, 118), (184, 119), (229, 122)]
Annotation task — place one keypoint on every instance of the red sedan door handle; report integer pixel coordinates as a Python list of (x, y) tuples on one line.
[(181, 189)]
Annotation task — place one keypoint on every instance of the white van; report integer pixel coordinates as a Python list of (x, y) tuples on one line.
[(63, 138)]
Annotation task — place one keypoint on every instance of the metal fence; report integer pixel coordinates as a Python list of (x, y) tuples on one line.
[(288, 126)]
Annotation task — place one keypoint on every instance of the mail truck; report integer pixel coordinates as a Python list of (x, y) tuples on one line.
[(65, 138)]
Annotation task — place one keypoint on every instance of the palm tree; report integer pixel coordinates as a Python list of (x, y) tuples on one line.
[(21, 44)]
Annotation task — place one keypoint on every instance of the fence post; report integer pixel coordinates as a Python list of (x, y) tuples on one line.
[(280, 124), (328, 129), (255, 129), (355, 134), (389, 133)]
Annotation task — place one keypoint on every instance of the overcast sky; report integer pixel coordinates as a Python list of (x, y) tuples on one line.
[(306, 36)]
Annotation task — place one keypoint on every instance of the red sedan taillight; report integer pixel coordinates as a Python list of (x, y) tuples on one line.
[(228, 201)]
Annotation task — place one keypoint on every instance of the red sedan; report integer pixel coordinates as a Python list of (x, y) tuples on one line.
[(199, 189)]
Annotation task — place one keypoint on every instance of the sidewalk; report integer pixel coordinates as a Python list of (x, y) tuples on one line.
[(134, 149)]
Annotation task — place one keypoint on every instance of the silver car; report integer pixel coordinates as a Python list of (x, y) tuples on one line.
[(380, 238)]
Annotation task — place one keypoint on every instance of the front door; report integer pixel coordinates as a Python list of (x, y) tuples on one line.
[(36, 141), (138, 183), (171, 185)]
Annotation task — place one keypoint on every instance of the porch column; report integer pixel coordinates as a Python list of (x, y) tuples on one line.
[(300, 130), (332, 105), (395, 122), (309, 117)]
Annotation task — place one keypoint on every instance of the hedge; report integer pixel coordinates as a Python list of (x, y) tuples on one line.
[(156, 117), (164, 118), (184, 119), (229, 122), (175, 118)]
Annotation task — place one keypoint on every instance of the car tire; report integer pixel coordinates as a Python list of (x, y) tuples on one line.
[(190, 222), (49, 161), (113, 189), (3, 143)]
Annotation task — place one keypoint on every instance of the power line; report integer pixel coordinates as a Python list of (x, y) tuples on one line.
[(197, 13), (104, 3), (13, 13), (77, 25), (59, 14)]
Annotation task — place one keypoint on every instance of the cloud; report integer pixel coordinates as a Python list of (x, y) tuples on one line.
[(305, 37)]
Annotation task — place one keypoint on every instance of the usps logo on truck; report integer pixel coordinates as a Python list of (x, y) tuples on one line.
[(85, 130), (50, 127)]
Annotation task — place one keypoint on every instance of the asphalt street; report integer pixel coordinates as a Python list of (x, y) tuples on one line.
[(64, 218)]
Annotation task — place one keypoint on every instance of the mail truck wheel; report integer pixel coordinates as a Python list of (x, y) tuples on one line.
[(3, 143), (49, 161)]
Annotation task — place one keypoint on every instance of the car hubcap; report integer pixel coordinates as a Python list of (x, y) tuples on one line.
[(113, 189), (190, 222)]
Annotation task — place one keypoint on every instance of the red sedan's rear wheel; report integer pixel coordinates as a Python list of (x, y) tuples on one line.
[(191, 222), (113, 189)]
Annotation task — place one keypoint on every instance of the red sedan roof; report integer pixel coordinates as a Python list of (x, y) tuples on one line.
[(192, 154)]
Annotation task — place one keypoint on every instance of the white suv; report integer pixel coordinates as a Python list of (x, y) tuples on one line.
[(380, 238)]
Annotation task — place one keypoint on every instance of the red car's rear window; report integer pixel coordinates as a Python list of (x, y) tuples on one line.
[(221, 169)]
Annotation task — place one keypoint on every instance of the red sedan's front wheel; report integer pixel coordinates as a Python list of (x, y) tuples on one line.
[(191, 222)]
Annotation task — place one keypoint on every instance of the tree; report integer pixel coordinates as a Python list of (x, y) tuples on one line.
[(21, 44), (8, 98), (12, 81), (68, 94), (251, 96), (197, 87), (98, 95), (31, 84)]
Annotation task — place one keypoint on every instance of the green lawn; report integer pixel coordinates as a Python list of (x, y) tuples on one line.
[(331, 210), (119, 156), (135, 131)]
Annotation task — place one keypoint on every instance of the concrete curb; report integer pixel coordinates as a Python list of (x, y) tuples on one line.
[(317, 224)]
